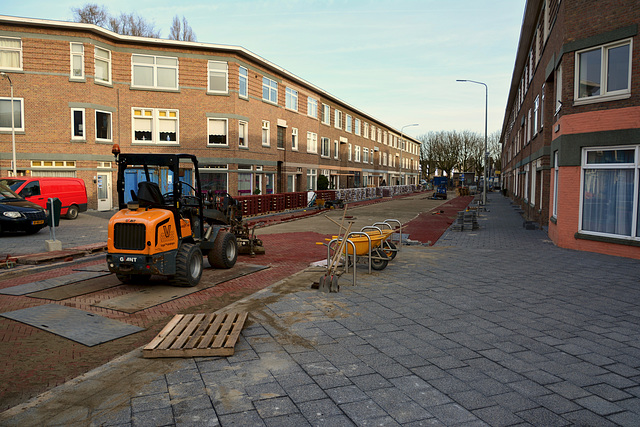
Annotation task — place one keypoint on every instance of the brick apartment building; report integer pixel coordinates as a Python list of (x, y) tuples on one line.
[(571, 132), (79, 89)]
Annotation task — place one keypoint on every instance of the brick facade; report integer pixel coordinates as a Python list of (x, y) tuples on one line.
[(45, 84), (553, 38)]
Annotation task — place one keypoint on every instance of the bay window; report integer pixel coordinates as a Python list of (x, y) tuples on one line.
[(154, 126)]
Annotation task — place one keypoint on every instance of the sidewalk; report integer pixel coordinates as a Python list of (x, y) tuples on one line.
[(491, 327)]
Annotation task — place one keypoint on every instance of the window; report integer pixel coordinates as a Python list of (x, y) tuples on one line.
[(243, 134), (77, 61), (357, 153), (269, 90), (349, 156), (326, 114), (384, 159), (103, 125), (77, 124), (555, 184), (155, 72), (291, 99), (266, 133), (603, 71), (365, 133), (5, 114), (280, 131), (325, 147), (529, 126), (294, 139), (10, 53), (357, 126), (217, 132), (349, 124), (312, 142), (542, 108), (336, 149), (155, 126), (365, 155), (610, 181), (532, 199), (338, 119), (558, 85), (312, 107), (312, 179), (243, 82), (103, 65), (218, 81), (536, 108), (213, 177), (244, 180)]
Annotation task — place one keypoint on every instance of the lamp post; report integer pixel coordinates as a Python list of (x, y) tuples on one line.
[(402, 147), (13, 128), (486, 154)]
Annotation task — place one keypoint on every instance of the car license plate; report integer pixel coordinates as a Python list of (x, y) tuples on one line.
[(41, 221)]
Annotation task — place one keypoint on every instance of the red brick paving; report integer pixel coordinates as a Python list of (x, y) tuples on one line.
[(430, 226)]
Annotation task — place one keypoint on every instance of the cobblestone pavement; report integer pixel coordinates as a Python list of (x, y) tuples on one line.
[(490, 327)]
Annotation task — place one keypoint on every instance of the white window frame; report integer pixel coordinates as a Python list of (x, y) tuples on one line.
[(17, 126), (225, 121), (356, 154), (243, 76), (338, 119), (609, 166), (348, 127), (349, 150), (110, 138), (8, 49), (336, 149), (356, 126), (325, 147), (558, 88), (244, 126), (156, 117), (294, 139), (76, 55), (365, 133), (536, 109), (106, 60), (83, 128), (220, 71), (270, 89), (605, 94), (365, 155), (312, 142), (326, 114), (157, 65), (291, 99), (266, 133), (312, 107)]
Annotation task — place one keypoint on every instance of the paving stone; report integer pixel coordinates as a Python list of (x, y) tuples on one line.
[(346, 394), (274, 407), (598, 405), (497, 416), (318, 411)]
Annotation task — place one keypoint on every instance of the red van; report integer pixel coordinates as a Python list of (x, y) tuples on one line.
[(71, 192)]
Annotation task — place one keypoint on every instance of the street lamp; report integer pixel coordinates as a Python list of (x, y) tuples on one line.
[(13, 128), (486, 154), (402, 147)]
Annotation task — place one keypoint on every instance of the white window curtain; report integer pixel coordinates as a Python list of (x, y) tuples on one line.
[(608, 201)]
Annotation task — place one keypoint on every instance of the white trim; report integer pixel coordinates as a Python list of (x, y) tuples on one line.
[(218, 72), (84, 125), (73, 55)]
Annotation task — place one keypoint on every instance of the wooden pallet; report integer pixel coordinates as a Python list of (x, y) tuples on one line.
[(191, 335)]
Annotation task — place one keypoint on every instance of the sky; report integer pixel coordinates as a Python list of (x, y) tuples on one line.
[(396, 60)]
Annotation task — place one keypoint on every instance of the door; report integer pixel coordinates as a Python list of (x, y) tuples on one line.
[(104, 191), (257, 184)]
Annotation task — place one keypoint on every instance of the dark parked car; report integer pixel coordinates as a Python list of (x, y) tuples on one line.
[(18, 214)]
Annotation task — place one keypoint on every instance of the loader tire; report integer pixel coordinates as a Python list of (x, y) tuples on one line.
[(188, 266), (225, 251)]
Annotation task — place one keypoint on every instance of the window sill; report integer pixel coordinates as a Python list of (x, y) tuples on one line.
[(607, 239), (101, 83), (155, 89), (554, 220), (217, 93), (240, 147), (217, 145), (78, 141), (78, 80), (602, 98)]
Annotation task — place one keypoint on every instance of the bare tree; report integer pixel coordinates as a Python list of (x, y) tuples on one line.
[(443, 150), (91, 13), (132, 25), (181, 30)]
